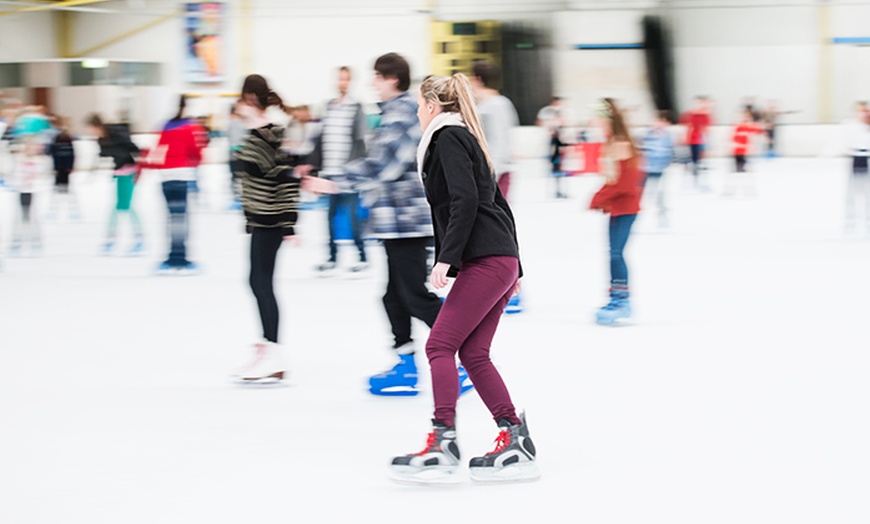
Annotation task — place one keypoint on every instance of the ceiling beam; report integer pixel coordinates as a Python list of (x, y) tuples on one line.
[(50, 6)]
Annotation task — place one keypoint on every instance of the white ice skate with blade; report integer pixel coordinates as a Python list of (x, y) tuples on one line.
[(266, 368)]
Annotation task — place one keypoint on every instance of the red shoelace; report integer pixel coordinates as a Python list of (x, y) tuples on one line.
[(501, 442), (430, 442)]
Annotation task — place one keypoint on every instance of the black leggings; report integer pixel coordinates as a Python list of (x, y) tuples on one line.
[(265, 243)]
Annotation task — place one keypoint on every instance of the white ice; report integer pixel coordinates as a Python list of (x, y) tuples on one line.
[(738, 394)]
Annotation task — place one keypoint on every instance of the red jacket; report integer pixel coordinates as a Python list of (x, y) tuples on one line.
[(623, 196), (741, 136), (180, 145), (696, 126)]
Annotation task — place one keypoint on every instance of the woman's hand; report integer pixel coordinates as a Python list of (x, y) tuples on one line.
[(318, 186), (438, 278), (302, 170)]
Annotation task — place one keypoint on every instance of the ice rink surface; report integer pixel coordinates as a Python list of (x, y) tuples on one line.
[(739, 393)]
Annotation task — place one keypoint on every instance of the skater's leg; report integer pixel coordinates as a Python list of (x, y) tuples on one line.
[(397, 312), (334, 203), (175, 192), (466, 324), (265, 243), (410, 277), (352, 201), (619, 230)]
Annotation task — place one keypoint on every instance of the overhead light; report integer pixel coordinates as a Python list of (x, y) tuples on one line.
[(95, 63)]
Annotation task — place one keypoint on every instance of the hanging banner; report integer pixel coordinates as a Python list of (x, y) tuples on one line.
[(204, 58)]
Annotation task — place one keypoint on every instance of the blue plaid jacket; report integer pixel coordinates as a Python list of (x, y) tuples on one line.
[(387, 177)]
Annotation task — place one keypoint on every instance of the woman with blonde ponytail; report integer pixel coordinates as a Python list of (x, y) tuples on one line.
[(475, 242)]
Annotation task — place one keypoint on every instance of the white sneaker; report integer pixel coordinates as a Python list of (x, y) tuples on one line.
[(266, 366)]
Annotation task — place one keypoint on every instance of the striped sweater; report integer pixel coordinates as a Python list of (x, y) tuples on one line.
[(270, 193)]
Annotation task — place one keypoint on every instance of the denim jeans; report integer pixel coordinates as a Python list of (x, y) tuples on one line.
[(175, 192), (351, 202), (620, 228)]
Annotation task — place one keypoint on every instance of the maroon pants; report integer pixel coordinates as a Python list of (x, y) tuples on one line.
[(466, 324), (504, 184)]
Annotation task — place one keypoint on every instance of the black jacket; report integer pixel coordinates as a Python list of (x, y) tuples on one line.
[(116, 143), (471, 217)]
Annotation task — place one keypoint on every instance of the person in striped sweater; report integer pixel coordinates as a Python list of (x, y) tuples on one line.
[(270, 200)]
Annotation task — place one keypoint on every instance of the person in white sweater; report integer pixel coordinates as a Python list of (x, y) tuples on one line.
[(499, 117)]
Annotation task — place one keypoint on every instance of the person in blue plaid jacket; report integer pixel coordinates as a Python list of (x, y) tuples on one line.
[(399, 216)]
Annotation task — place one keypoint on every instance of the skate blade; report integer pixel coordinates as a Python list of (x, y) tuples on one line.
[(274, 380), (438, 476), (395, 391), (620, 322), (521, 472)]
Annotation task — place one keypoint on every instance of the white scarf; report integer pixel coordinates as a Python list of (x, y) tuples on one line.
[(441, 120)]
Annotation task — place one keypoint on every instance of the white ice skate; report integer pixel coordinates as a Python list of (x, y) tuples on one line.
[(266, 368)]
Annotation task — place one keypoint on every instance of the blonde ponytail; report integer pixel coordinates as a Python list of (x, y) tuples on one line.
[(454, 94), (468, 110)]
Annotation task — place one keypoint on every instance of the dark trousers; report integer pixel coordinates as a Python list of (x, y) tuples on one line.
[(697, 152), (740, 163), (235, 183), (620, 229), (407, 295), (351, 202), (265, 243), (466, 325), (175, 192), (556, 162)]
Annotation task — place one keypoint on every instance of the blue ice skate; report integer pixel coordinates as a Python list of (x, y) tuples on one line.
[(137, 249), (189, 268), (513, 305), (618, 308), (401, 381), (165, 269), (465, 384)]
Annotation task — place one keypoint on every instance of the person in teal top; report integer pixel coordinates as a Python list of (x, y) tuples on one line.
[(115, 142)]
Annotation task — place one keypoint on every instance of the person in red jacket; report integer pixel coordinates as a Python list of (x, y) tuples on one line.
[(697, 120), (620, 198), (741, 140), (176, 157)]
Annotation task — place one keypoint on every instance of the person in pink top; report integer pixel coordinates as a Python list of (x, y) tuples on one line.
[(697, 120), (176, 157)]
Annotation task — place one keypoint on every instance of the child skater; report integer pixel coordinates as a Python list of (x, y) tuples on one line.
[(115, 142), (30, 167), (741, 139)]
